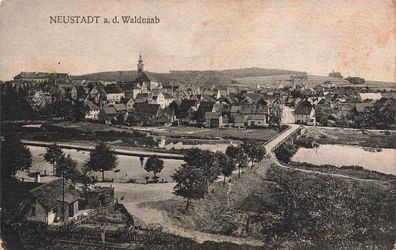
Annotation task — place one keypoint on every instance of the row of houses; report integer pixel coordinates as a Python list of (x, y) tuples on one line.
[(250, 110), (341, 110)]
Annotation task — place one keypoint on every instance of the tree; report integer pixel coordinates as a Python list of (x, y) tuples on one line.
[(77, 111), (355, 80), (191, 183), (141, 158), (154, 164), (67, 167), (14, 156), (53, 154), (227, 169), (255, 151), (41, 101), (221, 162), (102, 158), (237, 154), (205, 160)]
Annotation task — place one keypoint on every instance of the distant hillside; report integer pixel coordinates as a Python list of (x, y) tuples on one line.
[(274, 81), (109, 76), (201, 78)]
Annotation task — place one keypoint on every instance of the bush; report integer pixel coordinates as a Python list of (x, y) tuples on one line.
[(285, 152)]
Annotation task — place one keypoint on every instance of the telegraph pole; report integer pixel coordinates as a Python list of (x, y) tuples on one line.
[(63, 195)]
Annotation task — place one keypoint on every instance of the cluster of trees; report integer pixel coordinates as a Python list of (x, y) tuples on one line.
[(14, 104), (203, 167), (102, 158), (63, 165), (381, 116), (14, 156), (355, 80), (37, 102)]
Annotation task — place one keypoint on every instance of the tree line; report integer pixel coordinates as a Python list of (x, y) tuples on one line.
[(203, 167)]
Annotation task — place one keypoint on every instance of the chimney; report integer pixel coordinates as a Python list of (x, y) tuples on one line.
[(37, 178)]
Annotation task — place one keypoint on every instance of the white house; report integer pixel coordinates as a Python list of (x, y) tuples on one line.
[(113, 93), (168, 99), (158, 99), (92, 111), (257, 121)]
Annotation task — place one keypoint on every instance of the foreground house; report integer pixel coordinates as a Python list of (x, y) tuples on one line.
[(44, 203)]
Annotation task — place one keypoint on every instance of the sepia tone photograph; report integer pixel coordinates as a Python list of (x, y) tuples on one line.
[(197, 124)]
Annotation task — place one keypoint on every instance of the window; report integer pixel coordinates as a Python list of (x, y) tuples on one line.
[(33, 211)]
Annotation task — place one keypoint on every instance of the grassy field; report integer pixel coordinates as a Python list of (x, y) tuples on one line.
[(263, 134)]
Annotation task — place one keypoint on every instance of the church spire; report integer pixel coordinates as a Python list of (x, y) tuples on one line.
[(140, 57), (140, 65)]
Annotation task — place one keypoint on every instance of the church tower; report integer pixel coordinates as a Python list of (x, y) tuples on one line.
[(140, 65)]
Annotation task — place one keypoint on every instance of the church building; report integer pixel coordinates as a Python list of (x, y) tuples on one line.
[(146, 79)]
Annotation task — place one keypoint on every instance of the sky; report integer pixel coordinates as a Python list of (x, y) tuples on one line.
[(355, 37)]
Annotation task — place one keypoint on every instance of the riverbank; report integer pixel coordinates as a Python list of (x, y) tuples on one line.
[(86, 146), (347, 136)]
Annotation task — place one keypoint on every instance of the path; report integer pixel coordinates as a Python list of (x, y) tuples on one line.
[(117, 151)]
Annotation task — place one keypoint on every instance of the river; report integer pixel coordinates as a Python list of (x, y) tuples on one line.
[(345, 155), (128, 167)]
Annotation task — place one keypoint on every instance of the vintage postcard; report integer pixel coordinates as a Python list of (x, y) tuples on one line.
[(188, 124)]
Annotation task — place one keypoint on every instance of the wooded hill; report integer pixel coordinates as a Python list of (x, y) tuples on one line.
[(201, 78)]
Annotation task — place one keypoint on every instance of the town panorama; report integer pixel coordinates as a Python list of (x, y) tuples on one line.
[(231, 159)]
